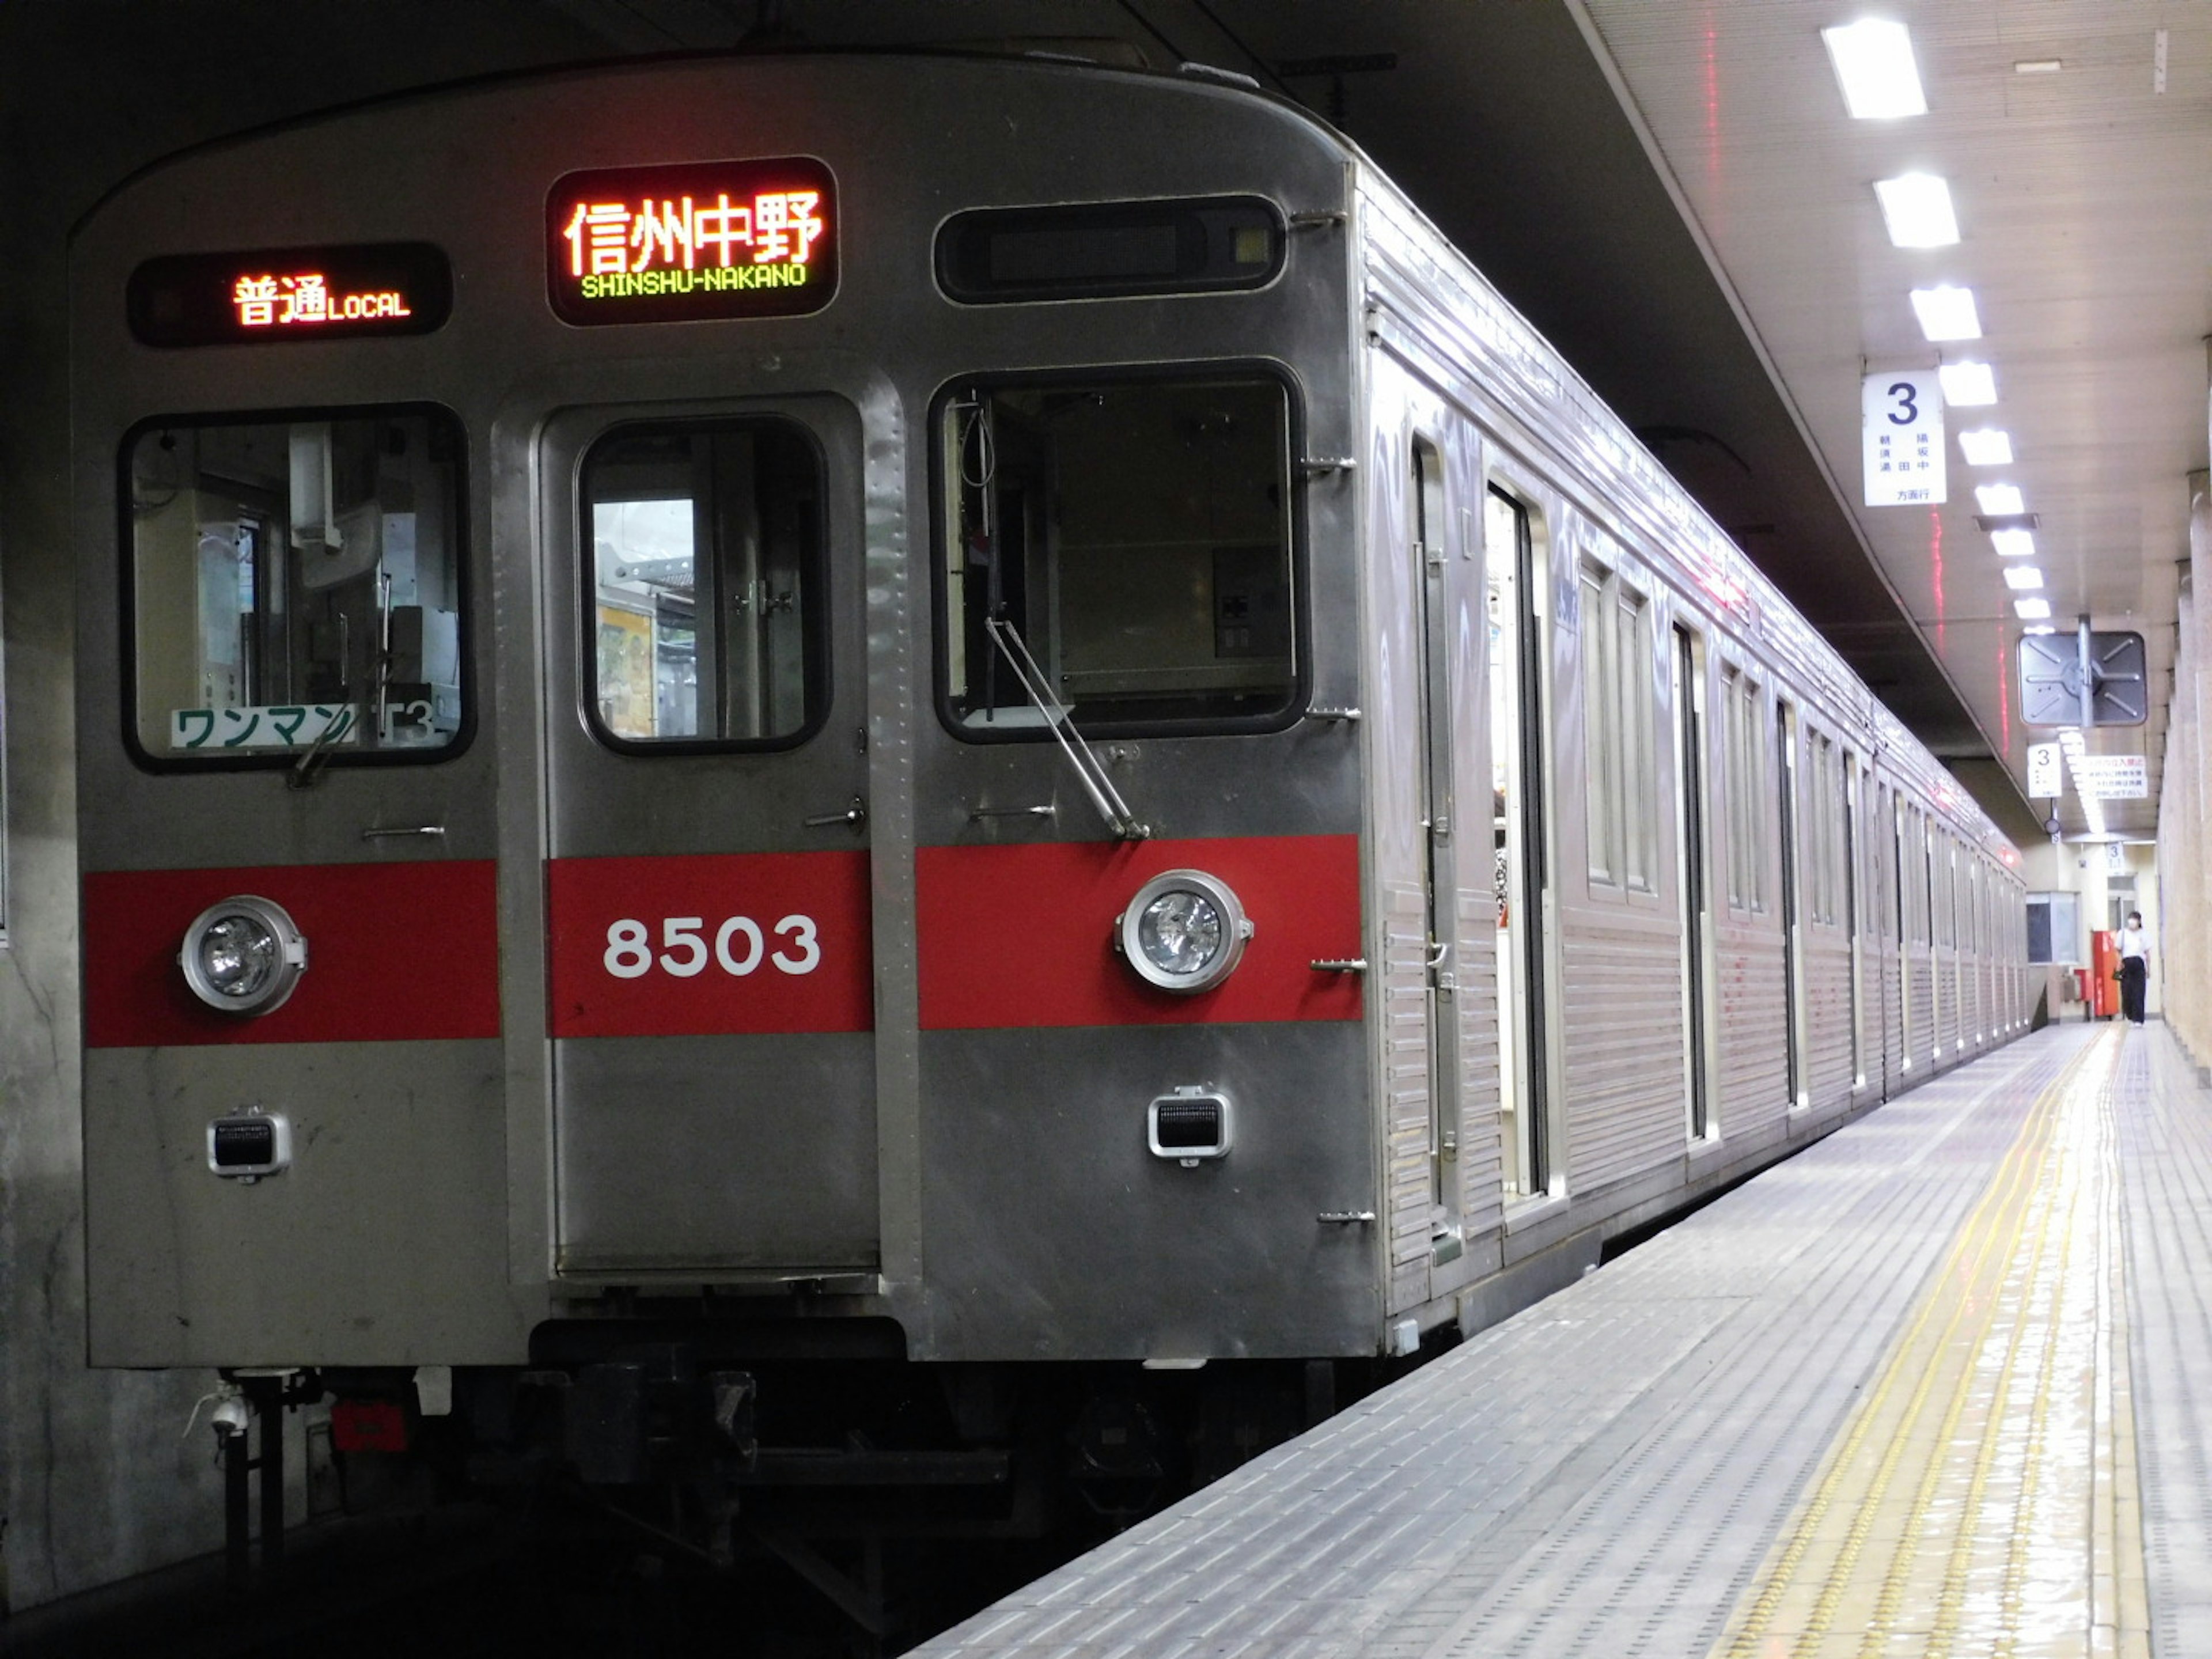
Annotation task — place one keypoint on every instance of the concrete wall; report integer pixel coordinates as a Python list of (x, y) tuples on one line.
[(95, 1482)]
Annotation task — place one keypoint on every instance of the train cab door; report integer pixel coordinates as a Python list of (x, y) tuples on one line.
[(710, 984), (1429, 580)]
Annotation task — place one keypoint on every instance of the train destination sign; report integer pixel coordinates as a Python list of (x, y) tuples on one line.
[(702, 240), (289, 294)]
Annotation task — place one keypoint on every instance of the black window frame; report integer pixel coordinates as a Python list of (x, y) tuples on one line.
[(278, 760), (821, 635), (1301, 691)]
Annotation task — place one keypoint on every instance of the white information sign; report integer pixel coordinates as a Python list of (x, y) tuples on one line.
[(1902, 420), (2046, 771), (2112, 777)]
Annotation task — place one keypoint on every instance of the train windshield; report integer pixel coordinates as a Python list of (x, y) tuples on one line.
[(1136, 534), (707, 547), (297, 586)]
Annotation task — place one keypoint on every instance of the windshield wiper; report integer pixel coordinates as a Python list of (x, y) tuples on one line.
[(1088, 766)]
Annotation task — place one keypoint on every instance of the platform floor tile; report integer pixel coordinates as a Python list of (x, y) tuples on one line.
[(1795, 1424)]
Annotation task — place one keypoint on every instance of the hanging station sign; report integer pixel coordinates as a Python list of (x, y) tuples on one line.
[(289, 294), (1901, 418), (702, 240)]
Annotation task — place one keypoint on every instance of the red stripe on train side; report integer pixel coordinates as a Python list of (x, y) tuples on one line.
[(395, 952), (710, 944), (1023, 936)]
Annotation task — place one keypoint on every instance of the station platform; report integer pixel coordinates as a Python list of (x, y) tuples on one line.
[(1938, 1385)]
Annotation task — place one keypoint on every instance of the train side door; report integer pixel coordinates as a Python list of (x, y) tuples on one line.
[(710, 980), (1693, 878), (1431, 563), (1517, 705)]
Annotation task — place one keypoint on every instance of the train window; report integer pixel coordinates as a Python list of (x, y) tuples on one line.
[(1136, 535), (1618, 742), (708, 621), (296, 587), (1745, 715)]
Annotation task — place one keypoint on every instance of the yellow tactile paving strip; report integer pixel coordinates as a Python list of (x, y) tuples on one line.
[(1981, 1500)]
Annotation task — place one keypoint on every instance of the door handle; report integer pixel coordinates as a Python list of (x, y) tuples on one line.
[(856, 815)]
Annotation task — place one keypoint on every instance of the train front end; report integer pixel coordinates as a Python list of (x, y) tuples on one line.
[(722, 788)]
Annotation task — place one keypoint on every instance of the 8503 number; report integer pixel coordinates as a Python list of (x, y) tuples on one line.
[(739, 946)]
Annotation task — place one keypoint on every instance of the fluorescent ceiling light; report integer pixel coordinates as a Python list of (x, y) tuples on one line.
[(1966, 384), (1875, 67), (2038, 628), (2032, 610), (1947, 313), (1999, 498), (2039, 66), (1989, 446), (1917, 208), (2013, 543), (2020, 577)]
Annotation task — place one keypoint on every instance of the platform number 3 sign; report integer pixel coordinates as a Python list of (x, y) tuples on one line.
[(1902, 420)]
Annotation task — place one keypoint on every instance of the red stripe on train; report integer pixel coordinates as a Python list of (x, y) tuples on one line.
[(1023, 936), (710, 944), (395, 952)]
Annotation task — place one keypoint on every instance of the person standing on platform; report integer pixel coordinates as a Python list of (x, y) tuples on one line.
[(2135, 966)]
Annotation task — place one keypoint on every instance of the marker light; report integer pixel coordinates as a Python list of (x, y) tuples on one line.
[(2020, 577), (243, 955), (2032, 610), (1917, 208), (2013, 543), (1966, 384), (2000, 498), (1183, 932), (1947, 313), (1875, 67), (1989, 445)]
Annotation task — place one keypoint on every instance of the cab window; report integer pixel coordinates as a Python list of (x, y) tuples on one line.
[(296, 586), (707, 624), (1133, 537)]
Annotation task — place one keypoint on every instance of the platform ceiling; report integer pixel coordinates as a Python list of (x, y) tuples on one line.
[(1672, 190)]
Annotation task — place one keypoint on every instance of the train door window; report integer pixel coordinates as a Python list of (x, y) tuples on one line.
[(296, 587), (707, 620), (1136, 535), (1518, 833), (1793, 942), (1692, 881)]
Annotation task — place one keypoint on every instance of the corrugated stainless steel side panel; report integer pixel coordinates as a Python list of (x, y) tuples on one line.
[(1829, 1076), (1753, 1090), (1625, 1112)]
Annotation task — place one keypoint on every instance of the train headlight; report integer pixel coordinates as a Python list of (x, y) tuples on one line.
[(1184, 931), (243, 955)]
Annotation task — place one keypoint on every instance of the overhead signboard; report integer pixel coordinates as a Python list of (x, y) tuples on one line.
[(2112, 777), (1901, 416), (289, 294), (698, 241), (2046, 771), (2050, 680)]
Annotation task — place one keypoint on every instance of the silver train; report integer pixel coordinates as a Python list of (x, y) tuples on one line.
[(787, 767)]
